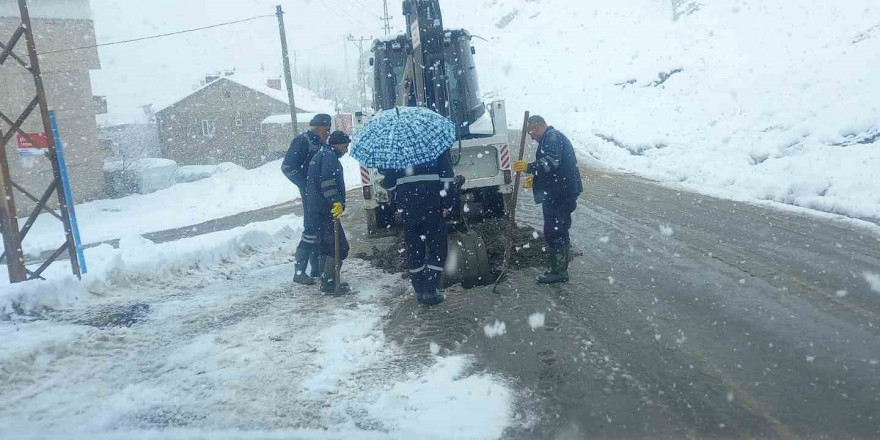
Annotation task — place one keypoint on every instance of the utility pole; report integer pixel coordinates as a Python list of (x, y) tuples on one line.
[(362, 71), (12, 236), (345, 51), (386, 18), (295, 71), (286, 59)]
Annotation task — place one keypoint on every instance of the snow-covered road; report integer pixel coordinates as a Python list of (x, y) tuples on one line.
[(235, 351)]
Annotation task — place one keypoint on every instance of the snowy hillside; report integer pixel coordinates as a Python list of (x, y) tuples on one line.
[(760, 100)]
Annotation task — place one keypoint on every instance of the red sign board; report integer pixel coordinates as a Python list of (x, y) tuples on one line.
[(345, 123), (39, 146)]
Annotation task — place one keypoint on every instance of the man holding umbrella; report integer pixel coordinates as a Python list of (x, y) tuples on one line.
[(325, 195), (296, 167), (410, 146)]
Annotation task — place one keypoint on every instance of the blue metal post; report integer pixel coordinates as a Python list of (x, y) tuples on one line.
[(68, 193)]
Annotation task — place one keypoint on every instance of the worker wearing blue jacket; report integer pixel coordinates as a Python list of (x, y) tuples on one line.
[(296, 167), (325, 194), (425, 196), (556, 183)]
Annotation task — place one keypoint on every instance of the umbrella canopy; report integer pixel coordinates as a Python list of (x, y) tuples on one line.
[(402, 137)]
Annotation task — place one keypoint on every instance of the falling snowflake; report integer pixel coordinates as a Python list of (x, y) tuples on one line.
[(536, 320), (604, 239), (666, 230), (873, 280), (495, 330), (435, 349)]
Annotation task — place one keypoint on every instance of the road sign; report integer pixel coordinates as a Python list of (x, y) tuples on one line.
[(38, 147)]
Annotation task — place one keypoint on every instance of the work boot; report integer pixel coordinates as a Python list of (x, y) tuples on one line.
[(551, 274), (558, 266), (562, 263), (431, 298), (315, 262), (328, 282), (302, 260)]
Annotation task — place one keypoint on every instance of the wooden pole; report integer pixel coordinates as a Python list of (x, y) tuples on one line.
[(515, 196), (287, 78), (337, 268)]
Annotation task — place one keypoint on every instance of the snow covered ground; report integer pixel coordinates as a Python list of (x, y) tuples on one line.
[(758, 100), (233, 191), (207, 338)]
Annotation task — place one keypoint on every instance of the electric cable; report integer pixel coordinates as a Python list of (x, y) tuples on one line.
[(158, 36)]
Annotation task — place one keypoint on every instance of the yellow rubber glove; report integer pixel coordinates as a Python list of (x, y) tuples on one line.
[(529, 183), (336, 210), (521, 166)]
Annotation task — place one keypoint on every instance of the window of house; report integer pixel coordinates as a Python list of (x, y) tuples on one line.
[(208, 128), (239, 120), (227, 94)]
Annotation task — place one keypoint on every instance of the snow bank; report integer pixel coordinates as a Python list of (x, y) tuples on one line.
[(137, 260), (759, 100), (233, 191), (192, 173)]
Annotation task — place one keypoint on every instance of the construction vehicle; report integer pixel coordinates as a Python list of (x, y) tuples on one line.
[(433, 67)]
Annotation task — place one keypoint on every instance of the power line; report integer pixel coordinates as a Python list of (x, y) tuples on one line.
[(158, 36), (360, 6), (352, 19)]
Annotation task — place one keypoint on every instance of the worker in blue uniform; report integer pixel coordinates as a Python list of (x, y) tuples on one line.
[(325, 194), (556, 183), (296, 167), (425, 196)]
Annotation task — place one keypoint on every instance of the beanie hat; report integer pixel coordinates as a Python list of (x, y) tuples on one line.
[(338, 138), (321, 120)]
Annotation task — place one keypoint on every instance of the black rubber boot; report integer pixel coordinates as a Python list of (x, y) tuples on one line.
[(302, 260), (559, 267), (431, 298), (562, 264), (328, 282), (550, 277)]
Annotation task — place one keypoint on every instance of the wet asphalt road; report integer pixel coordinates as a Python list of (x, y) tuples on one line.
[(686, 317)]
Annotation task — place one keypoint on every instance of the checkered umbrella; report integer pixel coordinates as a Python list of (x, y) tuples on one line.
[(402, 137)]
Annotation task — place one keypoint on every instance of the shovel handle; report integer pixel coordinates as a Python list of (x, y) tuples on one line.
[(337, 260)]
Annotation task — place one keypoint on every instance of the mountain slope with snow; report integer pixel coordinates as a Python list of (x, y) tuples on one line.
[(756, 100)]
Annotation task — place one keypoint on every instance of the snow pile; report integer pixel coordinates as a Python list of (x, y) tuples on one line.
[(231, 192), (474, 407), (139, 260), (760, 100), (191, 173)]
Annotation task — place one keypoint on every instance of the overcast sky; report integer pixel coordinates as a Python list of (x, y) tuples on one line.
[(157, 70)]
